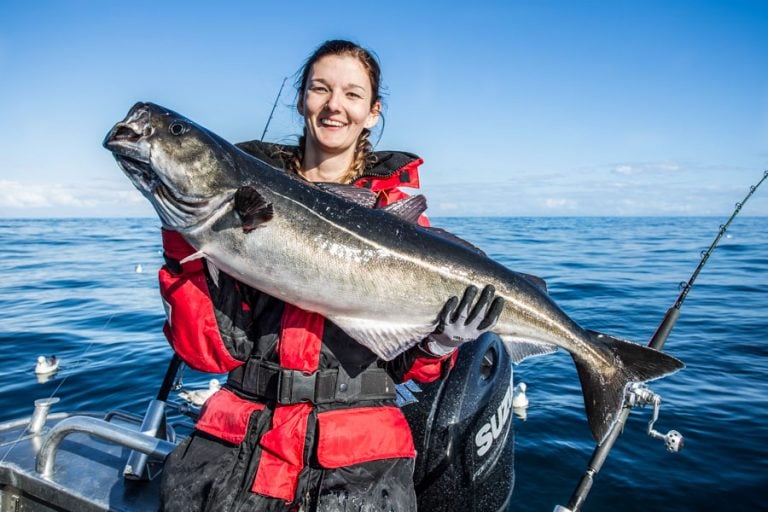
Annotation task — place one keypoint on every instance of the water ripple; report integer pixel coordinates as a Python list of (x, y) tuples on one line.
[(70, 287)]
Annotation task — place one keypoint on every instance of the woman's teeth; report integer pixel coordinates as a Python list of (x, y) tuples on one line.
[(331, 122)]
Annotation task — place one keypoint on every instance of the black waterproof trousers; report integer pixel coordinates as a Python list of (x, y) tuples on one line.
[(207, 474)]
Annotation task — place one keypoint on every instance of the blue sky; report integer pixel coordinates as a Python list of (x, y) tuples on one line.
[(518, 108)]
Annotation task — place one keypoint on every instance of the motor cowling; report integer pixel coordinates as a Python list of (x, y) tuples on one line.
[(462, 428)]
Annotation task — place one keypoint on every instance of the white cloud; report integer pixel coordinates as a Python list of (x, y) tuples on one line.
[(631, 169), (559, 203), (448, 207), (669, 166), (93, 198)]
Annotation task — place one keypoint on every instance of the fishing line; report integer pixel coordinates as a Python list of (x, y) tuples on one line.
[(666, 325), (686, 287), (63, 380), (58, 387), (85, 352), (274, 105), (600, 453)]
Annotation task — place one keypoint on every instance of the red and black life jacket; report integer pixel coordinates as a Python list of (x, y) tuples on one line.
[(273, 350)]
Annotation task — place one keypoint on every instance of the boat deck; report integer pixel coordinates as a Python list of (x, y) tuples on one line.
[(87, 471)]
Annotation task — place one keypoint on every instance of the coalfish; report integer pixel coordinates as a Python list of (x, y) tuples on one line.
[(375, 273)]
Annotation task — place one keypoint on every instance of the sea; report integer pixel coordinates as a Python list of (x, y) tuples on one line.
[(86, 291)]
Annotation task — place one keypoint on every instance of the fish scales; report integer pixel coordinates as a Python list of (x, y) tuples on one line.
[(380, 278)]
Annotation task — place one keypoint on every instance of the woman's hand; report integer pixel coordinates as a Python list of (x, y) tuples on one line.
[(460, 322)]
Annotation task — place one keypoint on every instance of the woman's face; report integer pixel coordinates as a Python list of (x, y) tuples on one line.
[(337, 104)]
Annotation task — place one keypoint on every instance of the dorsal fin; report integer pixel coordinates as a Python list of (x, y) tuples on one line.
[(455, 239), (535, 281), (409, 208), (252, 208), (357, 195)]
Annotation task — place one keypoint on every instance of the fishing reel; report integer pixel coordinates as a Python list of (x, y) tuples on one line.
[(639, 395)]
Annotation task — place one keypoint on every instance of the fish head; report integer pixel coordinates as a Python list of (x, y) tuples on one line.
[(185, 171)]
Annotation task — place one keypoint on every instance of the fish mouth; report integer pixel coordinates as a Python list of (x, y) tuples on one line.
[(140, 173), (129, 138), (129, 142)]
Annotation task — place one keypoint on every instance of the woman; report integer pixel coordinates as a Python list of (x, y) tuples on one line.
[(307, 420)]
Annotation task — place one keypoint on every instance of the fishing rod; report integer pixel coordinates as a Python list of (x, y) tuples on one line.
[(640, 395), (153, 423), (274, 105)]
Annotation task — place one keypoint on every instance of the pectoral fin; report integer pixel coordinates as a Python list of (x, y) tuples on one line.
[(213, 271), (252, 208), (194, 256)]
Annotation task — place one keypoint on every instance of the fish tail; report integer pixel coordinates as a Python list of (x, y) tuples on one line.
[(604, 390)]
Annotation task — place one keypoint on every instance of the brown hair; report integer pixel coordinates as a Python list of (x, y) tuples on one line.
[(364, 157)]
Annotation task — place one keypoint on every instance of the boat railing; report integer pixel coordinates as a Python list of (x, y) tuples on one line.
[(151, 446), (119, 414), (154, 439)]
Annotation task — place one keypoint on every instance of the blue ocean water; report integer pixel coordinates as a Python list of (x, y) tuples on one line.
[(71, 288)]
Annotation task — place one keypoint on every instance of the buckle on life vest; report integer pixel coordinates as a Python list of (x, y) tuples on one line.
[(263, 381), (295, 386)]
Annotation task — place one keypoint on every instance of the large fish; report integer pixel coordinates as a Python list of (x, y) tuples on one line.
[(374, 272)]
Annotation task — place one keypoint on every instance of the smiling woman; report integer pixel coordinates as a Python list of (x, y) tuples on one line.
[(339, 99), (291, 429), (339, 106)]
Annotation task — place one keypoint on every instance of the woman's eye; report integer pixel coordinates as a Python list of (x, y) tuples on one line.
[(177, 128), (318, 89), (353, 95)]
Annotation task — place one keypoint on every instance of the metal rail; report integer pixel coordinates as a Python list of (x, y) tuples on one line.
[(153, 423), (155, 448)]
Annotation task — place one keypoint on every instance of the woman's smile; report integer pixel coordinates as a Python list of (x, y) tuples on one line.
[(337, 106)]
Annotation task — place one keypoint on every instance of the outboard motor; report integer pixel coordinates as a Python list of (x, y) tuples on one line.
[(462, 427)]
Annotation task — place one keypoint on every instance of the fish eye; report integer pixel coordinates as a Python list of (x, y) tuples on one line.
[(177, 128)]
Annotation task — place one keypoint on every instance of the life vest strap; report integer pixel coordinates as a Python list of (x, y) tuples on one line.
[(264, 381)]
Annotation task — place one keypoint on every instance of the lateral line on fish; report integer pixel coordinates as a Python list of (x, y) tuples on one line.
[(421, 263), (225, 206), (372, 244)]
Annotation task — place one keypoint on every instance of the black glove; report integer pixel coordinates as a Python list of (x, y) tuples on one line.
[(459, 322)]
